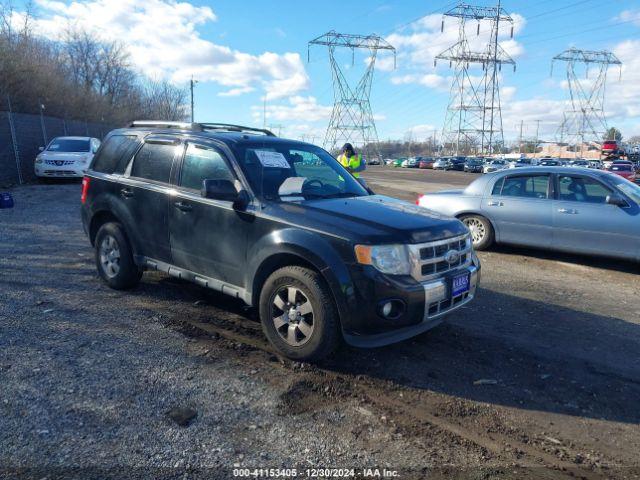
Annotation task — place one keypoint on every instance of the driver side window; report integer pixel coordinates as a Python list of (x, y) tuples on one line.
[(200, 163), (581, 189)]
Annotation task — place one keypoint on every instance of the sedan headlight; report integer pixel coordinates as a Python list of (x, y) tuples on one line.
[(38, 160), (391, 259)]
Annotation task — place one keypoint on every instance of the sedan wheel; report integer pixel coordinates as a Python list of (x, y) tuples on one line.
[(292, 315), (480, 229)]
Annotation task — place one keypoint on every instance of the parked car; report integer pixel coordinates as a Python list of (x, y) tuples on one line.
[(611, 147), (279, 224), (624, 169), (426, 163), (473, 165), (582, 163), (575, 210), (457, 163), (494, 165), (441, 164), (410, 162), (375, 161), (398, 162), (389, 161), (65, 157), (550, 162)]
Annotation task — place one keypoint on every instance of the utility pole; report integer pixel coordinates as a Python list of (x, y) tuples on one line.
[(535, 148), (520, 148), (191, 84)]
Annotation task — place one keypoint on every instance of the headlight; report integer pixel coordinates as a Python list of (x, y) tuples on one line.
[(38, 160), (391, 259)]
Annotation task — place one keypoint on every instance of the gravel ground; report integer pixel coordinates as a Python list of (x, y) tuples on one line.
[(540, 375)]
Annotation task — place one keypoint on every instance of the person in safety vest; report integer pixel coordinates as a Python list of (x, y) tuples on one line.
[(351, 160)]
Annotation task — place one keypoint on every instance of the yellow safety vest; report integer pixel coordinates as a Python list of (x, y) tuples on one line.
[(351, 163)]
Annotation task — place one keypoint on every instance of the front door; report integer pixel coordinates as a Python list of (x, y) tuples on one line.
[(207, 236), (585, 223), (520, 209)]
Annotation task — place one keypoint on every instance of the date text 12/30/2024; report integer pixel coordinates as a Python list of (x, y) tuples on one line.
[(315, 473)]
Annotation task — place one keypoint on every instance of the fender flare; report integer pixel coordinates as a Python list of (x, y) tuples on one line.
[(311, 248), (111, 205)]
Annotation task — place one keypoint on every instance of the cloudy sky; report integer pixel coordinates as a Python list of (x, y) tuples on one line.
[(242, 52)]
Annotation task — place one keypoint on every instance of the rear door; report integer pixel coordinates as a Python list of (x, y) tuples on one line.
[(207, 236), (146, 190), (585, 223), (520, 208)]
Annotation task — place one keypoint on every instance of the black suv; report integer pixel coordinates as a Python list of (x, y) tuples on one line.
[(279, 224)]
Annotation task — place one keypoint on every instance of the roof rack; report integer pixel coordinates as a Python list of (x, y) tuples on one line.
[(166, 124), (235, 128), (199, 127)]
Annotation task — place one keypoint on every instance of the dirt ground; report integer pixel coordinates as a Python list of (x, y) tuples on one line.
[(538, 378)]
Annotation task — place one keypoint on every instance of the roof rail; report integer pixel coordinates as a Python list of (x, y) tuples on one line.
[(166, 124), (235, 128)]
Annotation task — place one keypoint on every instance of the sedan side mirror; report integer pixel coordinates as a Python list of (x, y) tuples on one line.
[(616, 200), (225, 190)]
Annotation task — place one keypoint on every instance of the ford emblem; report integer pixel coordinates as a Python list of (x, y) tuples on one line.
[(452, 256)]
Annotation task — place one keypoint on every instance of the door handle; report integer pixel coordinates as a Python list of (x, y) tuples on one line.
[(568, 211), (185, 207), (126, 192), (495, 204)]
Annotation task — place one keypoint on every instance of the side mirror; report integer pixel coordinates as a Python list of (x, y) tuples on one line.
[(225, 190), (41, 149), (616, 200)]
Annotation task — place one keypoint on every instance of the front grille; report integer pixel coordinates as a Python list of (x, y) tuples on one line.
[(59, 172), (59, 163), (430, 260)]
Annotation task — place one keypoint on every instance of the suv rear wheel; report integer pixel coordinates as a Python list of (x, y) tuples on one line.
[(114, 258), (298, 314)]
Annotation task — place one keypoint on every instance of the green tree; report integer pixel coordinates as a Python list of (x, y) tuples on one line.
[(613, 134)]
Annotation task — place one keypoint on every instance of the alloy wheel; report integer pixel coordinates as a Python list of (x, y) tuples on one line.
[(110, 256), (292, 316)]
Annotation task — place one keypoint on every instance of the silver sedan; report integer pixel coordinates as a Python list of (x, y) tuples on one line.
[(576, 210)]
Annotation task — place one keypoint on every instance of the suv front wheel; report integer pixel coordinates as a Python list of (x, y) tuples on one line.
[(298, 314), (114, 258)]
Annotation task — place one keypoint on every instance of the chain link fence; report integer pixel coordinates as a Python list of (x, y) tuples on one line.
[(21, 135)]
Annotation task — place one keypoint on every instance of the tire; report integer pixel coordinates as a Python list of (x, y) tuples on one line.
[(315, 310), (114, 258), (482, 234)]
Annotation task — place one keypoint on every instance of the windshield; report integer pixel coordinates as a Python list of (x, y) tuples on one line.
[(286, 171), (620, 168), (628, 188), (68, 145)]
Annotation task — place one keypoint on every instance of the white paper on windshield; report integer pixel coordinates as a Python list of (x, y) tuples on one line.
[(271, 159), (291, 187)]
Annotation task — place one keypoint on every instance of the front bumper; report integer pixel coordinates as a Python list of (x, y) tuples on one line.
[(65, 171), (425, 309)]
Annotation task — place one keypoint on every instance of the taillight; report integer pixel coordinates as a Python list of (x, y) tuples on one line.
[(85, 189), (418, 199)]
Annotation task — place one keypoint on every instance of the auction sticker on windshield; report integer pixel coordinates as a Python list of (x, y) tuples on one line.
[(272, 159)]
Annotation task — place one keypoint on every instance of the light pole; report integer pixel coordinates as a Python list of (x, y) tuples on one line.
[(191, 85)]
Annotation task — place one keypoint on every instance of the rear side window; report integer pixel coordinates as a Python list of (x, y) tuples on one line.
[(153, 162), (115, 154), (530, 186)]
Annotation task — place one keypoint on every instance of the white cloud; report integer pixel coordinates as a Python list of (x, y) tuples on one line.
[(163, 40), (632, 16), (299, 109)]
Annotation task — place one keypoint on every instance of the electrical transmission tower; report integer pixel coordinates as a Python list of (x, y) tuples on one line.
[(352, 118), (474, 118), (586, 120)]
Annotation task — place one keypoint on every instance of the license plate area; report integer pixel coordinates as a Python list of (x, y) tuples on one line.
[(460, 284)]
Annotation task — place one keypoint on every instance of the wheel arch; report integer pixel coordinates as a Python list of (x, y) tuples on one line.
[(101, 217)]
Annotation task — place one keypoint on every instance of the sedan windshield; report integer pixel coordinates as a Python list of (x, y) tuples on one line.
[(628, 188), (68, 145), (286, 171)]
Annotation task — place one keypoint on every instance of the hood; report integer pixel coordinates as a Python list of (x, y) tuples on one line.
[(50, 155), (373, 219)]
